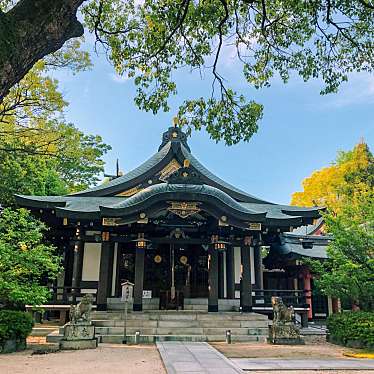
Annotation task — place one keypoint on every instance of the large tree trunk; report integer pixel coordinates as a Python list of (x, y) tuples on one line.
[(31, 30)]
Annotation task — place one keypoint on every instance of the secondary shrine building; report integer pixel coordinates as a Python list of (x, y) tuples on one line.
[(179, 233)]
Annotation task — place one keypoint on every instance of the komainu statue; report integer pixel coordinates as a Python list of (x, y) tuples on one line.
[(282, 313), (81, 313), (284, 329), (79, 333)]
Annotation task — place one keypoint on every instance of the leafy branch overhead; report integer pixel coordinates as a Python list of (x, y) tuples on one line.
[(150, 40), (40, 153)]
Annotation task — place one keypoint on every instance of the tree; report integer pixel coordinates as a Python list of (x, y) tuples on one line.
[(150, 40), (348, 273), (347, 189), (30, 30), (25, 261), (39, 152), (332, 185)]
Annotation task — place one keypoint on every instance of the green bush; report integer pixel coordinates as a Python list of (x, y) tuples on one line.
[(14, 325), (352, 328)]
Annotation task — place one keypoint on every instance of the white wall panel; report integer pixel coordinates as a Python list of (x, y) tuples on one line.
[(91, 261)]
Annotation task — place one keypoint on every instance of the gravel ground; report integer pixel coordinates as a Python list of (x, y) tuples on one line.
[(313, 372), (308, 351), (255, 350), (107, 359)]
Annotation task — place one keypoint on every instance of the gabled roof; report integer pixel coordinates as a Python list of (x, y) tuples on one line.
[(174, 146), (293, 245), (172, 174)]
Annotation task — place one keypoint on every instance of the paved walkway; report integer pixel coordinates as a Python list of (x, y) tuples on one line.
[(260, 364), (194, 358)]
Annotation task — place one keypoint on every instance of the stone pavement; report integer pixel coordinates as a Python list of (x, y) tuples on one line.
[(261, 364), (194, 358)]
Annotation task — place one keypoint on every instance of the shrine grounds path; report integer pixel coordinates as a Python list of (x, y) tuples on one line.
[(106, 359), (145, 359)]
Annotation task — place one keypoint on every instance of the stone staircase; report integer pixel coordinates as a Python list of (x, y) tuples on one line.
[(180, 326), (195, 304)]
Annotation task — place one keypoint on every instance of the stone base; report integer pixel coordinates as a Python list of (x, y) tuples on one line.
[(79, 332), (287, 341), (78, 344), (287, 334)]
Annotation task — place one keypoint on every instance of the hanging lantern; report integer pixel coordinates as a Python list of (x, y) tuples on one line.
[(247, 240), (141, 242), (219, 244)]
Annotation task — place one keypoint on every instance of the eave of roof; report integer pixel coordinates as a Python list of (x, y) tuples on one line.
[(292, 246)]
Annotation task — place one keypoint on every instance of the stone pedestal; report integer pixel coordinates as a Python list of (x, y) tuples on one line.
[(78, 336), (285, 334)]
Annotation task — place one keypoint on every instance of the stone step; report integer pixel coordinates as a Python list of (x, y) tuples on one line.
[(130, 323), (182, 316), (235, 331), (105, 331), (43, 331), (179, 331), (238, 338), (54, 337), (181, 324), (178, 323), (118, 339)]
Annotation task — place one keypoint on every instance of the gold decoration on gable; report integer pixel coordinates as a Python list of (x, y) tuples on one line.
[(109, 221), (169, 169), (255, 226), (183, 209), (130, 192)]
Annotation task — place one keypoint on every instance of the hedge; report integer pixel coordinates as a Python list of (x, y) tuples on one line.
[(354, 329), (14, 325)]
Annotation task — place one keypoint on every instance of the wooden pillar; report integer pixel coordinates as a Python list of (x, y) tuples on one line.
[(308, 292), (105, 274), (221, 276), (246, 285), (259, 277), (230, 273), (139, 279), (213, 279), (77, 263)]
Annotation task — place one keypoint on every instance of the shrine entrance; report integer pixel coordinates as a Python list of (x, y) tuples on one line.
[(184, 267)]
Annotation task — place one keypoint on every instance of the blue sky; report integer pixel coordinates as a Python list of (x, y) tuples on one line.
[(300, 132)]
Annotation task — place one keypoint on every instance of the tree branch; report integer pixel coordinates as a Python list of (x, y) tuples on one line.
[(31, 30)]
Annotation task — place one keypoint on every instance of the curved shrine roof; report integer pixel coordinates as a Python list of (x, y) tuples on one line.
[(159, 181)]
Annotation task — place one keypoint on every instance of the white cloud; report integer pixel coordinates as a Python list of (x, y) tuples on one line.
[(358, 90), (118, 78)]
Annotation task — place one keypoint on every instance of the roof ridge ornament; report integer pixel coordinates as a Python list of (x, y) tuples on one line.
[(174, 135), (185, 175)]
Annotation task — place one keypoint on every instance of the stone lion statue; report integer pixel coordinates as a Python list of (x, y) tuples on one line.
[(282, 313), (81, 313)]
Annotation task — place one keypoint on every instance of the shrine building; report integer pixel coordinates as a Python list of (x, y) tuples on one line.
[(179, 233)]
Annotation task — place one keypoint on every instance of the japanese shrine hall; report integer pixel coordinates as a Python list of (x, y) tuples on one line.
[(179, 233)]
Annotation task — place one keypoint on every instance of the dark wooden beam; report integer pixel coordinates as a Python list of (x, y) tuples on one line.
[(246, 285), (213, 280), (259, 277), (139, 280), (106, 265), (230, 273)]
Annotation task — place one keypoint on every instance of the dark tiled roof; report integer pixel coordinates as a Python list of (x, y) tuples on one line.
[(295, 245)]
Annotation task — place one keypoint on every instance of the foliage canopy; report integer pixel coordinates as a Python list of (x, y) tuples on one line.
[(151, 40), (25, 260), (40, 153), (331, 186), (347, 188)]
